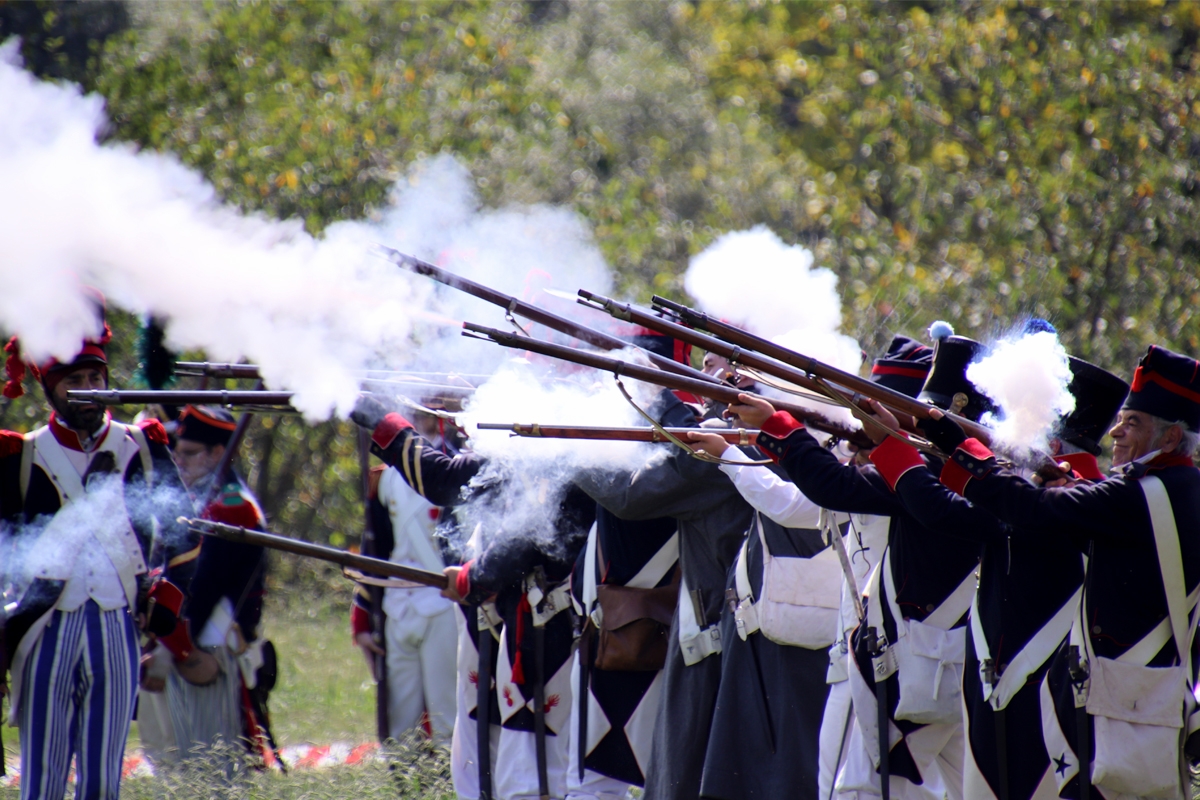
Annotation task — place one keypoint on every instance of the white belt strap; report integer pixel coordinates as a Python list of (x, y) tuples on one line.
[(545, 605), (947, 613), (588, 595), (658, 566), (1170, 562), (1036, 651), (695, 643), (746, 614)]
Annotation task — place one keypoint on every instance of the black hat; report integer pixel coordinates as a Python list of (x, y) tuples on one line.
[(904, 367), (948, 378), (208, 425), (1098, 397), (1167, 385)]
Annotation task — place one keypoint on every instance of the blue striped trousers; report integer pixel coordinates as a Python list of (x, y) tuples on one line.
[(77, 701)]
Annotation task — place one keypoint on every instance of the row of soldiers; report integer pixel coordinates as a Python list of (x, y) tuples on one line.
[(888, 622), (112, 606)]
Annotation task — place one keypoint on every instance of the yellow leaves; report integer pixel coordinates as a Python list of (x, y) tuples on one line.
[(1143, 142), (699, 172), (468, 40), (368, 137), (903, 236), (249, 179), (1049, 111), (1144, 189), (948, 155), (858, 51), (562, 119), (1005, 110), (1087, 75), (289, 178), (410, 75)]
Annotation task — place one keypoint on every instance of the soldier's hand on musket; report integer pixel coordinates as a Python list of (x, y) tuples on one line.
[(711, 443), (886, 419), (369, 411), (451, 590), (752, 411)]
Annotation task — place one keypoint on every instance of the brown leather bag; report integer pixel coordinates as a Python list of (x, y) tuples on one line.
[(635, 626)]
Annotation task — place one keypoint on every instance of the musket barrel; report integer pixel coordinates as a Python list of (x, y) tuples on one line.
[(717, 391), (600, 339), (741, 436), (376, 566), (855, 384), (179, 397), (212, 369)]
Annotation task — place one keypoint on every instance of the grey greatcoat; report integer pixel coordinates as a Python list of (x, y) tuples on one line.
[(712, 520)]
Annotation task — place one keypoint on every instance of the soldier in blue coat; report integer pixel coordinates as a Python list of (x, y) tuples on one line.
[(1140, 529), (1029, 589)]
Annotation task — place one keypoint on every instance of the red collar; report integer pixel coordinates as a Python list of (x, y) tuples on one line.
[(1163, 460), (1084, 465), (69, 439)]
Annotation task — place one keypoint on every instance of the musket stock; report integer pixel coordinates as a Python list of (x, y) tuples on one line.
[(853, 384), (365, 564), (737, 436), (512, 305), (718, 391)]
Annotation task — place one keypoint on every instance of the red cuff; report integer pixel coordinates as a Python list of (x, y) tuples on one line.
[(360, 621), (388, 429), (956, 474), (780, 425), (179, 641), (154, 431), (893, 458), (462, 583)]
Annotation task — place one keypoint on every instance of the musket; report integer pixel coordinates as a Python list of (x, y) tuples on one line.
[(277, 401), (214, 369), (383, 728), (738, 436), (354, 561), (736, 355), (511, 305), (849, 381), (721, 392)]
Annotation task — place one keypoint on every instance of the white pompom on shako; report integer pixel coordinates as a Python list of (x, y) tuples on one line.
[(940, 330)]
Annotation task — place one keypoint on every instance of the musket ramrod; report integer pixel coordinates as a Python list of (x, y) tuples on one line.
[(365, 564)]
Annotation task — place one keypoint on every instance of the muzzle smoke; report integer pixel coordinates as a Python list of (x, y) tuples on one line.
[(1027, 377)]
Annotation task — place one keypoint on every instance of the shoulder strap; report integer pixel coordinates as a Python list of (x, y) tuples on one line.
[(589, 569), (139, 436), (657, 567), (27, 449), (1170, 560)]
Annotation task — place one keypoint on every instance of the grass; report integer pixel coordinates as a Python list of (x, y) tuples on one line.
[(323, 695)]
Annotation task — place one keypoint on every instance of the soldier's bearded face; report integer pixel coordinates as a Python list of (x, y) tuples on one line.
[(84, 418)]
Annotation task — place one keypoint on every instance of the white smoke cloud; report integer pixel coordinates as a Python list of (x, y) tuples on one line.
[(1027, 377), (754, 280), (154, 237)]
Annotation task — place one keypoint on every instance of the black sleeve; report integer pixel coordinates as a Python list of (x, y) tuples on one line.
[(830, 483), (437, 477), (224, 569), (939, 509)]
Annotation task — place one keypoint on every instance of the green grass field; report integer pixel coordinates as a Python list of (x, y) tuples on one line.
[(323, 695)]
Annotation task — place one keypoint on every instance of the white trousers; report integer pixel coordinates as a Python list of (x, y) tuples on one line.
[(464, 750), (421, 669), (593, 786), (837, 725), (515, 775), (938, 752)]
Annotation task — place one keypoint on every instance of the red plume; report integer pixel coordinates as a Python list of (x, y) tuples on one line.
[(15, 368)]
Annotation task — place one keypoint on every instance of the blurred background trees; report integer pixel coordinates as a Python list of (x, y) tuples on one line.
[(970, 161)]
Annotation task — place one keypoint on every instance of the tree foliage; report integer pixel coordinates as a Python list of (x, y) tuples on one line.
[(971, 161)]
